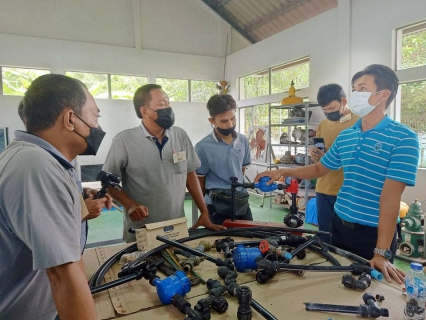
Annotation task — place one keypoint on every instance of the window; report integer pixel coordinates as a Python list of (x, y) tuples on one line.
[(201, 91), (254, 85), (411, 102), (97, 83), (176, 89), (275, 80), (411, 50), (282, 76), (259, 116), (413, 106), (17, 80), (124, 87)]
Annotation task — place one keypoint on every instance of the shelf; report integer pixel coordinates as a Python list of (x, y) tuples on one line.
[(288, 124), (297, 145), (296, 105), (298, 124)]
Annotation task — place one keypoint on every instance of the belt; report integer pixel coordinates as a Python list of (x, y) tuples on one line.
[(354, 225)]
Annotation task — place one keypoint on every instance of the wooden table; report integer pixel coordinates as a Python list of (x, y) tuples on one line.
[(283, 296)]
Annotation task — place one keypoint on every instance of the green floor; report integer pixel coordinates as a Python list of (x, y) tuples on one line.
[(109, 226)]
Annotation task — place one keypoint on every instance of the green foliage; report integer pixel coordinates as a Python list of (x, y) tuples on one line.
[(413, 105), (97, 83), (201, 91), (16, 81), (256, 85), (413, 49), (281, 78), (176, 89), (124, 87)]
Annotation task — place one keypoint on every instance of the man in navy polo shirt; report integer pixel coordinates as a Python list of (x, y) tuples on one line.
[(223, 154), (379, 158)]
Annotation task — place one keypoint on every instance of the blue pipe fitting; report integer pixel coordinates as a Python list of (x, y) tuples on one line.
[(288, 255), (168, 287), (245, 258), (263, 186), (376, 275)]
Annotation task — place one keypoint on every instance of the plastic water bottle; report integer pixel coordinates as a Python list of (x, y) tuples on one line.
[(415, 284)]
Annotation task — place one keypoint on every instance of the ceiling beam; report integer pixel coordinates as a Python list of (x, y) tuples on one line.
[(228, 17), (280, 11), (222, 3)]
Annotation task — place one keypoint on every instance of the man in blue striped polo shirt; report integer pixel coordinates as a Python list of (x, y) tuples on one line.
[(379, 158)]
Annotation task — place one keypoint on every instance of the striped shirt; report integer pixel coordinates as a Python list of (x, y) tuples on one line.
[(388, 151)]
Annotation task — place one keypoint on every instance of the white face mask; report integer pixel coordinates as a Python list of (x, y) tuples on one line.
[(359, 104)]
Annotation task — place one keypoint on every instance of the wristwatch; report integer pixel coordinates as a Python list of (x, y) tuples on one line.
[(386, 253)]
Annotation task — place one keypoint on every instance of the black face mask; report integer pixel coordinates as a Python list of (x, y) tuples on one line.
[(93, 140), (334, 116), (226, 132), (166, 118)]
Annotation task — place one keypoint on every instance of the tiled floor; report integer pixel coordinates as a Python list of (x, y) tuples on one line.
[(109, 225)]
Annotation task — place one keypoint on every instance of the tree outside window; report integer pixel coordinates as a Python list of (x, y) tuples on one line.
[(413, 107), (96, 83), (16, 81), (124, 87), (201, 91), (176, 89)]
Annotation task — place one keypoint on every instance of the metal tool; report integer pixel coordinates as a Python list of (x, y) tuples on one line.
[(367, 310)]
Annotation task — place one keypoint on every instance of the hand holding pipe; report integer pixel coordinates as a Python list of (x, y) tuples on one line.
[(107, 180), (262, 185), (217, 261)]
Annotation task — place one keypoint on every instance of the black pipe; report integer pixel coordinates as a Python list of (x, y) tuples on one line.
[(217, 261), (265, 313), (99, 275), (113, 284)]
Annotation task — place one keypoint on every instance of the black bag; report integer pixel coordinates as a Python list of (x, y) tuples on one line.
[(222, 202)]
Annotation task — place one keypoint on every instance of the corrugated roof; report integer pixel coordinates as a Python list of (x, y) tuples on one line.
[(259, 19)]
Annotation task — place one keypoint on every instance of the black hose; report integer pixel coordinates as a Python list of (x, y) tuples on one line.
[(265, 313), (97, 277), (103, 269), (315, 268), (325, 254), (196, 234)]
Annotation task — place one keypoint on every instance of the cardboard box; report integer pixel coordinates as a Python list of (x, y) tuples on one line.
[(171, 229)]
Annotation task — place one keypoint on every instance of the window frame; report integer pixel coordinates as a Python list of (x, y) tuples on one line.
[(269, 70)]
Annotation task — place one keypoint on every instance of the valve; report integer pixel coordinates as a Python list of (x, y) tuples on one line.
[(245, 258), (168, 287), (362, 283), (219, 304)]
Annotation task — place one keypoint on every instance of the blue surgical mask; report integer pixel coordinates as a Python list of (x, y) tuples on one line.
[(359, 104)]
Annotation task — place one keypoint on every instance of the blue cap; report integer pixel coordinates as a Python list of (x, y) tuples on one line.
[(416, 266)]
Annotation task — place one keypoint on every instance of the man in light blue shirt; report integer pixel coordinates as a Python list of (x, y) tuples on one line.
[(379, 158), (223, 154)]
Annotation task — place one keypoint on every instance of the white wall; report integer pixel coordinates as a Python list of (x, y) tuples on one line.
[(134, 37), (339, 43)]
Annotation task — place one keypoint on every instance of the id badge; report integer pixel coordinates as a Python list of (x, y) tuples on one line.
[(84, 211), (179, 156)]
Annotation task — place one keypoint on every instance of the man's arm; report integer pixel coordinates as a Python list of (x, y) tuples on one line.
[(193, 186), (202, 181), (388, 214), (135, 210), (70, 292), (312, 171)]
